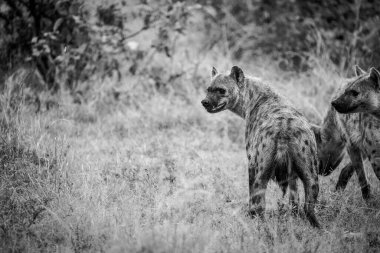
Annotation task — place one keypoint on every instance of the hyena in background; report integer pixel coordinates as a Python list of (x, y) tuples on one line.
[(332, 143), (279, 141), (355, 126)]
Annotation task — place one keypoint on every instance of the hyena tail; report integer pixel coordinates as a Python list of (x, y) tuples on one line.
[(283, 162), (282, 155)]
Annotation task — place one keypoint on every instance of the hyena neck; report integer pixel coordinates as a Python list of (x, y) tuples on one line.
[(331, 126), (238, 106), (331, 120), (251, 93)]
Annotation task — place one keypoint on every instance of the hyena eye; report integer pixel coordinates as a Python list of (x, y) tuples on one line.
[(222, 91), (354, 93)]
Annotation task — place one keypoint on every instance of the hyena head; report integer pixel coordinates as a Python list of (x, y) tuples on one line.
[(360, 95), (223, 92), (330, 146)]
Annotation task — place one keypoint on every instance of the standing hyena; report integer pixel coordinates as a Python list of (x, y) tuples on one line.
[(357, 127), (279, 141), (332, 143)]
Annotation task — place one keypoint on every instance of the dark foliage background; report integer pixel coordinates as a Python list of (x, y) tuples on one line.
[(61, 39)]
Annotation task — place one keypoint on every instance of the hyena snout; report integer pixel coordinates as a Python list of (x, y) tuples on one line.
[(339, 106), (335, 103), (213, 105), (206, 104)]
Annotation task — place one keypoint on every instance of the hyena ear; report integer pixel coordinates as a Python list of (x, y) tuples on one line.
[(317, 132), (375, 76), (238, 75), (214, 72), (358, 71)]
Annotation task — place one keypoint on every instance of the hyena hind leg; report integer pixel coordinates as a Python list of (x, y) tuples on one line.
[(289, 182), (311, 187), (257, 192), (293, 194)]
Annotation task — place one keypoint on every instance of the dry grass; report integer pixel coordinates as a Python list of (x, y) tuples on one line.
[(154, 172), (162, 175)]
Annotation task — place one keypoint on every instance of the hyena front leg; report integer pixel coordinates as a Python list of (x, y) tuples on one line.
[(345, 176), (357, 166)]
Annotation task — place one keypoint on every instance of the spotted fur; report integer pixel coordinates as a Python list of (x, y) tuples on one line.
[(280, 144), (352, 123)]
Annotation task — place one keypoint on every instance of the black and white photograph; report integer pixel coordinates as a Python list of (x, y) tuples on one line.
[(211, 126)]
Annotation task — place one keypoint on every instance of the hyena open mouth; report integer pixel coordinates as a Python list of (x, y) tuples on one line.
[(218, 108), (342, 109)]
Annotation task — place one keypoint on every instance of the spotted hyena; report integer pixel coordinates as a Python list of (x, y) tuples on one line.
[(279, 141), (353, 122), (332, 141)]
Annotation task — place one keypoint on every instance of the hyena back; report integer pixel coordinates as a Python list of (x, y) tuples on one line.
[(354, 116), (280, 144)]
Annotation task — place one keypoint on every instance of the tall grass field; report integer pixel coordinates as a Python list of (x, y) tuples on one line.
[(150, 171)]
